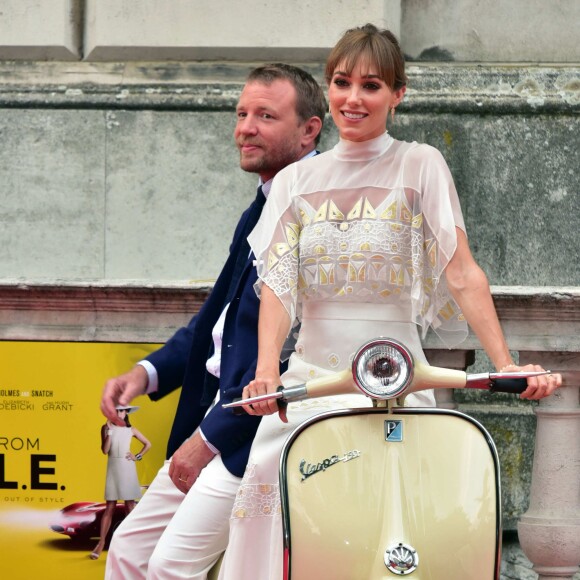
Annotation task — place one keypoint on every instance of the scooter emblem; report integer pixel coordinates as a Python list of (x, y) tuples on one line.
[(309, 469), (401, 559), (394, 430)]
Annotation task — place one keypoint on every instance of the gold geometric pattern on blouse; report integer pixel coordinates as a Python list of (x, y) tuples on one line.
[(447, 312), (369, 211), (334, 214), (292, 234), (431, 251), (391, 212), (321, 213), (319, 261), (354, 213), (363, 251)]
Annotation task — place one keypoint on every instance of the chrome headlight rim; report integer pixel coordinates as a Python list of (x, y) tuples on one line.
[(401, 349)]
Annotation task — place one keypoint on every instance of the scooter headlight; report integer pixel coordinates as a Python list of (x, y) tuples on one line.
[(382, 368)]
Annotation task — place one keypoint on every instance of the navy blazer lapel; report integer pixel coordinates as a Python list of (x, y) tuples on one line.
[(250, 263), (243, 248)]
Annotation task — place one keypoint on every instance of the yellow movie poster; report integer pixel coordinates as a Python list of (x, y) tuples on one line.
[(52, 468)]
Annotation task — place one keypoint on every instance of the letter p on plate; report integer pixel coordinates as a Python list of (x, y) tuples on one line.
[(394, 431)]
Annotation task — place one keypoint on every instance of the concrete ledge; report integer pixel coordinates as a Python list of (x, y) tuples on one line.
[(432, 88), (31, 310), (534, 319), (97, 312), (469, 31)]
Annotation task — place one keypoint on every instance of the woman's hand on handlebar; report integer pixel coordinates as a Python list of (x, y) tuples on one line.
[(538, 387), (264, 384)]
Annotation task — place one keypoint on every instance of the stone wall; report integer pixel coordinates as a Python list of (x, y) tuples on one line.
[(136, 176)]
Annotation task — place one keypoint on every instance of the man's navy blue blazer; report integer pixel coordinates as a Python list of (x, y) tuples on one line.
[(181, 362)]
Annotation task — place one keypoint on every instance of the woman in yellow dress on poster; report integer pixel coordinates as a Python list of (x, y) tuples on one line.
[(122, 483)]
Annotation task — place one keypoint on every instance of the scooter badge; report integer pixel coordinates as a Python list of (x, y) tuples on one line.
[(401, 559), (309, 469), (394, 430)]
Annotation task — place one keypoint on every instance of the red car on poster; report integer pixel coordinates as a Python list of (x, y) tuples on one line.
[(82, 520)]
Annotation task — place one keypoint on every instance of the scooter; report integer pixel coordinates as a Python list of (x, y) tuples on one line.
[(388, 490)]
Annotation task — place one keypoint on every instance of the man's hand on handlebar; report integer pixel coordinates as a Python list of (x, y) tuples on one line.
[(263, 385)]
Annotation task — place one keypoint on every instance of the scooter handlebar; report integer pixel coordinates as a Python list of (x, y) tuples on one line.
[(385, 366), (502, 382)]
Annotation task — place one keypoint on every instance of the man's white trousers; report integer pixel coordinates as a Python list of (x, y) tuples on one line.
[(170, 535)]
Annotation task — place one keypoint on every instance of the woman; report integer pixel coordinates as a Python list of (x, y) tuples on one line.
[(364, 240), (122, 482)]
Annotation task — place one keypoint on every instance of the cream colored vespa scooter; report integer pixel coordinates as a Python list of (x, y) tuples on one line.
[(374, 493)]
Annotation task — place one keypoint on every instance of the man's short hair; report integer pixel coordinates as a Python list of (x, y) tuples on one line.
[(310, 101)]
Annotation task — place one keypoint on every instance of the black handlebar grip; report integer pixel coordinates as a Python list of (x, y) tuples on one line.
[(514, 386)]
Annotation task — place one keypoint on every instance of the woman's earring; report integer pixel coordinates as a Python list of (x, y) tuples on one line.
[(393, 114)]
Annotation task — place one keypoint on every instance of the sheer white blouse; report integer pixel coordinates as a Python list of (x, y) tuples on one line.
[(370, 222)]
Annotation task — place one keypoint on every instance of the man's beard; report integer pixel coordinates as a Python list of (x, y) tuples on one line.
[(270, 161)]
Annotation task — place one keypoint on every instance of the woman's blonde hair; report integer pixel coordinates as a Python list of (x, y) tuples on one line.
[(378, 47)]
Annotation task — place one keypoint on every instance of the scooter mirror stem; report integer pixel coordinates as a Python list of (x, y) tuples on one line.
[(340, 383), (428, 377), (334, 384)]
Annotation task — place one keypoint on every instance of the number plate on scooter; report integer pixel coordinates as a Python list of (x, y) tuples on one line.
[(394, 430)]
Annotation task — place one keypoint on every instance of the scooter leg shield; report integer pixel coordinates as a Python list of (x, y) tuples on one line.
[(372, 493)]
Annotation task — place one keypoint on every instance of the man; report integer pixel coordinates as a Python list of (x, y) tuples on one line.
[(180, 527)]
